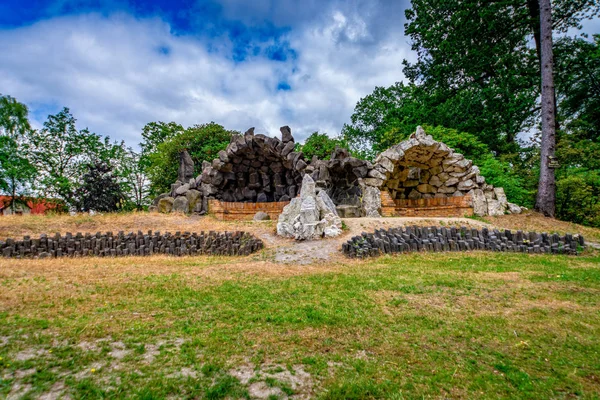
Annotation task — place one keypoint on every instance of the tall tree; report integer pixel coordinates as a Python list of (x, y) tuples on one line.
[(61, 154), (546, 196), (16, 172), (100, 189)]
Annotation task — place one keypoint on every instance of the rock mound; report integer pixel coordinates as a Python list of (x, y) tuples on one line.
[(310, 216)]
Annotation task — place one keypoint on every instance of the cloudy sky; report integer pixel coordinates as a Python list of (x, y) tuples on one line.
[(118, 64)]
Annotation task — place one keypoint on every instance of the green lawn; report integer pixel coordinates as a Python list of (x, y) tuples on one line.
[(476, 325)]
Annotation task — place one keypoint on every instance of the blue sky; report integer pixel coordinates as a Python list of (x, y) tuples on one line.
[(119, 64)]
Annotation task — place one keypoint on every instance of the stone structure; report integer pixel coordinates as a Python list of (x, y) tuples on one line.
[(422, 168), (131, 244), (310, 216), (256, 169), (341, 178), (436, 238)]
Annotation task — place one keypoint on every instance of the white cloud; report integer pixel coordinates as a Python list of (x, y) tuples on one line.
[(113, 75)]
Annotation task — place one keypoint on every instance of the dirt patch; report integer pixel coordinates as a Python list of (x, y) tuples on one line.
[(118, 350), (18, 391), (30, 354), (56, 392), (267, 380)]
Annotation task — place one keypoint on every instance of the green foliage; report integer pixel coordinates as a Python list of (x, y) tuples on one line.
[(203, 142), (100, 189), (320, 145), (155, 133), (16, 172), (578, 199)]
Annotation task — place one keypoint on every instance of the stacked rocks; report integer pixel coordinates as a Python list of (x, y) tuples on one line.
[(422, 168), (341, 178), (132, 244), (185, 196), (310, 216), (435, 238), (255, 168)]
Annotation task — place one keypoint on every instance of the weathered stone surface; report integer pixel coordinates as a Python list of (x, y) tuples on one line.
[(194, 197), (119, 244), (286, 134), (309, 216), (181, 205), (165, 205), (158, 198), (425, 188), (371, 201), (466, 185), (480, 207), (436, 238), (181, 190), (495, 208), (376, 174), (514, 209), (186, 167), (373, 182), (261, 216)]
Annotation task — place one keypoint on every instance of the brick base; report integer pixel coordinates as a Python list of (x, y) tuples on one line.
[(438, 207), (231, 211)]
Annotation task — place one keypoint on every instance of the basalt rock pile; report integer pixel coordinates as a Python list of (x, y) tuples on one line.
[(132, 244), (435, 238), (255, 168), (341, 177)]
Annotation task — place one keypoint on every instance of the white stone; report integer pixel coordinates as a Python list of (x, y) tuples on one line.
[(514, 209), (309, 216)]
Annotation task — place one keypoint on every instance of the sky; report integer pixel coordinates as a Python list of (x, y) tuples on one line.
[(119, 64)]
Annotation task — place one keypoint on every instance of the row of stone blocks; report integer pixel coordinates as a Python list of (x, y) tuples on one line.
[(132, 244), (436, 238)]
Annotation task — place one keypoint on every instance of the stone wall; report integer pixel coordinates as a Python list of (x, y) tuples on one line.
[(436, 238), (131, 244), (459, 206), (244, 211)]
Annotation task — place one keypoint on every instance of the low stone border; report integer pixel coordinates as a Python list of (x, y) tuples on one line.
[(436, 238), (132, 244)]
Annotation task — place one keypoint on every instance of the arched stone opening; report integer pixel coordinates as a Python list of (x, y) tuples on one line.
[(255, 168), (421, 168), (341, 178)]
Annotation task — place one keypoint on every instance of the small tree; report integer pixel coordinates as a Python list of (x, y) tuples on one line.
[(100, 189)]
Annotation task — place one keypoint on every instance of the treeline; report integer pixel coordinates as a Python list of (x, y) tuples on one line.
[(475, 85)]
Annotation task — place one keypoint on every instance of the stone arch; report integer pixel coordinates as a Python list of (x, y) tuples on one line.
[(341, 178), (422, 168), (255, 168)]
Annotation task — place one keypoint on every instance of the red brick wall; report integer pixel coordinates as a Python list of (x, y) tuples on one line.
[(244, 211), (438, 207)]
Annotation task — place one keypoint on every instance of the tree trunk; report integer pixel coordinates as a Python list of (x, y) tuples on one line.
[(546, 196)]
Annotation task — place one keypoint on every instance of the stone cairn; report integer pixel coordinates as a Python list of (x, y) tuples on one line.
[(422, 168), (436, 239), (132, 244), (310, 216)]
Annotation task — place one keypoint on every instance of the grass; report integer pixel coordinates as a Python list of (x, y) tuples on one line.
[(474, 325)]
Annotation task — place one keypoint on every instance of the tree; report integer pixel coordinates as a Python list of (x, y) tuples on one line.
[(203, 142), (16, 172), (15, 169), (100, 189), (155, 133), (546, 197), (61, 154), (320, 145)]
